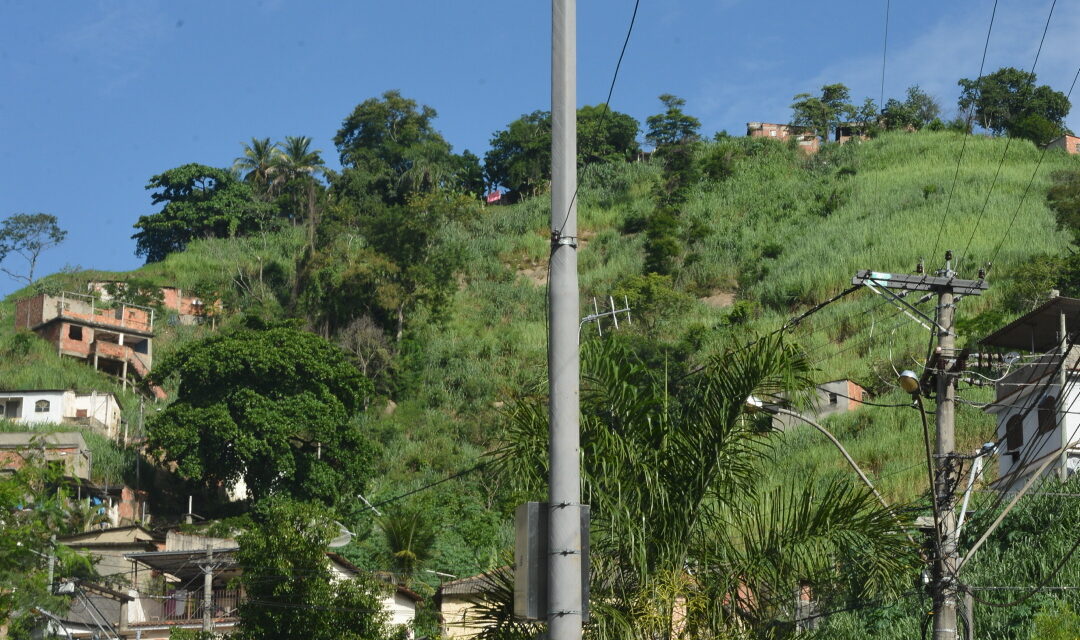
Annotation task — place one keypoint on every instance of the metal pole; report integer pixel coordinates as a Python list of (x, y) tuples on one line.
[(52, 561), (564, 535), (969, 614), (946, 563), (1063, 377), (208, 592)]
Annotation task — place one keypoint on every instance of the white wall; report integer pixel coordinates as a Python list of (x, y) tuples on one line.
[(1036, 447), (29, 399)]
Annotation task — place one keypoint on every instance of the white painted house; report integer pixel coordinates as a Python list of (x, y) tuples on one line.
[(96, 410), (1039, 433)]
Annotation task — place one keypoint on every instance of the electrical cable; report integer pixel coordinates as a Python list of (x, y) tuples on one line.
[(1027, 188), (454, 476), (967, 132), (1008, 142), (1038, 587), (884, 51), (607, 108)]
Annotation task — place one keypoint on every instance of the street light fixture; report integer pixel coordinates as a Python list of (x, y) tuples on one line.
[(909, 382)]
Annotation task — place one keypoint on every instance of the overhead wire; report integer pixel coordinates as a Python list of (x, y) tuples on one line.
[(967, 133), (1008, 142), (1027, 188), (607, 103)]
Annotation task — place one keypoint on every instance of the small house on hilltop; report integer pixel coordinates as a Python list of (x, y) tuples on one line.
[(807, 140), (188, 309), (1069, 143), (1038, 432), (117, 339)]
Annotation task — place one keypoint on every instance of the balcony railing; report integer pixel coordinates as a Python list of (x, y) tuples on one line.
[(181, 606)]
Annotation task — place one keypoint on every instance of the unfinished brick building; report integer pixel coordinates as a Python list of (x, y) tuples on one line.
[(806, 140), (117, 338)]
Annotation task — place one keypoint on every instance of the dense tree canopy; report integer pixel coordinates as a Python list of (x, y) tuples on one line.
[(916, 111), (1008, 101), (291, 590), (271, 407), (520, 154), (822, 113), (389, 149), (671, 126), (200, 202), (406, 261)]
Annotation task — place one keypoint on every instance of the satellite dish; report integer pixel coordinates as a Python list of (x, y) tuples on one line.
[(1010, 358), (343, 538)]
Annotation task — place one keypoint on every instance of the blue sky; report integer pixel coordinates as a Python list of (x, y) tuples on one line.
[(100, 95)]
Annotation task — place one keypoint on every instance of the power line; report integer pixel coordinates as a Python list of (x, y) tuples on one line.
[(967, 132), (1027, 188), (884, 51), (454, 476), (1038, 587), (607, 107), (1008, 142)]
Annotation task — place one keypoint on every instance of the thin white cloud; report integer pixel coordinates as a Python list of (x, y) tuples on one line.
[(949, 49), (113, 45)]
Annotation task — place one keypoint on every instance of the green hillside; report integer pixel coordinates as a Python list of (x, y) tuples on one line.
[(766, 233)]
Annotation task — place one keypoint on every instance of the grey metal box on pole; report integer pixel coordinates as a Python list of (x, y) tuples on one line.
[(531, 554)]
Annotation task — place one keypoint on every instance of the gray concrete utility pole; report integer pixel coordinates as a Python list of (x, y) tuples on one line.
[(945, 366), (564, 534), (946, 561), (208, 591)]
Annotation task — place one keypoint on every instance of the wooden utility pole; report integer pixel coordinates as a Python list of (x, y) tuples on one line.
[(945, 366)]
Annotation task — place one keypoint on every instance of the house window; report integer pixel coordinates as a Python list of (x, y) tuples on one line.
[(1014, 433), (773, 133), (41, 406), (1047, 414), (833, 398), (75, 333)]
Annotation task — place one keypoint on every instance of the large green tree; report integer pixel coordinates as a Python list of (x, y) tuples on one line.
[(406, 261), (389, 150), (520, 154), (823, 113), (27, 235), (1008, 101), (673, 125), (671, 469), (35, 504), (199, 202), (291, 590), (269, 406)]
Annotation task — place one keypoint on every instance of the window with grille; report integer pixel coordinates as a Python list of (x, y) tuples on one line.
[(41, 406), (1047, 414), (1014, 433)]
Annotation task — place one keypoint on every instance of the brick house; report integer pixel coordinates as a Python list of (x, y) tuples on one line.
[(1071, 144), (806, 140), (188, 309), (117, 339)]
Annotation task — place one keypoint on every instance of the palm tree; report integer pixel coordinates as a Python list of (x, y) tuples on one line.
[(686, 539), (259, 165), (298, 167), (410, 538)]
